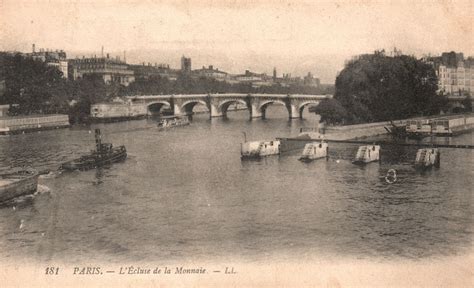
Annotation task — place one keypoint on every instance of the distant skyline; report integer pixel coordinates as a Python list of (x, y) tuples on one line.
[(295, 36)]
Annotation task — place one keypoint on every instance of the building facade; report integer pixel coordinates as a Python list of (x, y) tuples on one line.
[(185, 65), (109, 69), (147, 71), (455, 73), (56, 58), (210, 72), (310, 80)]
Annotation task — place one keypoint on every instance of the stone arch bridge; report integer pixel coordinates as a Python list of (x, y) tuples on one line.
[(217, 104)]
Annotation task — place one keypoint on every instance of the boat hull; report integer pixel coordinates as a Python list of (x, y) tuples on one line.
[(17, 184), (309, 159), (120, 154)]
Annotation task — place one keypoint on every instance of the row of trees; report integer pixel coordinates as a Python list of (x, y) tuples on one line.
[(39, 88), (370, 88), (188, 85)]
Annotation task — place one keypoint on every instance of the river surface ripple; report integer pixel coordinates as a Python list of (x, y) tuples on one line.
[(185, 194)]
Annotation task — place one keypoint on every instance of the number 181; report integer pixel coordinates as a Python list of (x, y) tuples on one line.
[(52, 270)]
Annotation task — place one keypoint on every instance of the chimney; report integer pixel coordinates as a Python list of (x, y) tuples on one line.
[(124, 57), (33, 48), (102, 55), (211, 67), (108, 55)]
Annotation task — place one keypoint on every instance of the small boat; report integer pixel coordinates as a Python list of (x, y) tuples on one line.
[(19, 183), (172, 121), (257, 149), (314, 151), (427, 157), (367, 154), (104, 154)]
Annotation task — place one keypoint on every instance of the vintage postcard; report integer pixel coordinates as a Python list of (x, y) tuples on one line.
[(236, 143)]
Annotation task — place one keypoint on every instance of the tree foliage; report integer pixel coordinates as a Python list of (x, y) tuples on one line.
[(331, 111), (31, 84), (185, 84), (376, 87), (39, 88)]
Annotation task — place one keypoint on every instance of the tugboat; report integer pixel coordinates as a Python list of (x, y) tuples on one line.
[(172, 121), (313, 151), (18, 183), (367, 154), (104, 154)]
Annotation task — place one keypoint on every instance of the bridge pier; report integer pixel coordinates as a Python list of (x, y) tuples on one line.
[(255, 112), (177, 110), (214, 111), (218, 104), (294, 112)]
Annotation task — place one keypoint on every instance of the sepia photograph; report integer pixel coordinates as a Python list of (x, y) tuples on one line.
[(236, 143)]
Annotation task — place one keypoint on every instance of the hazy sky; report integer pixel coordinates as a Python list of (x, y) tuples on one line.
[(294, 36)]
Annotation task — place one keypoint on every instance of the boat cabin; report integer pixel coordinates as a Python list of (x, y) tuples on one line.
[(440, 127), (366, 154), (314, 150), (427, 157), (256, 149), (418, 126), (172, 121)]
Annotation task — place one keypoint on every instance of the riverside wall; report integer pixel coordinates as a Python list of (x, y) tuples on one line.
[(457, 123), (460, 123)]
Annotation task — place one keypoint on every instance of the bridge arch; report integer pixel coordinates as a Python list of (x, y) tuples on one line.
[(156, 106), (264, 105), (188, 106), (224, 105), (306, 103)]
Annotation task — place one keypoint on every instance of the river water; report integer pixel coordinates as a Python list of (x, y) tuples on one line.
[(185, 194)]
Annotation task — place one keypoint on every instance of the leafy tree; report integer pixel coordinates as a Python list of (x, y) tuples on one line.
[(29, 83), (331, 111), (376, 87)]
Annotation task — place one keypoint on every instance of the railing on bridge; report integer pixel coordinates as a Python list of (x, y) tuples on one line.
[(183, 104)]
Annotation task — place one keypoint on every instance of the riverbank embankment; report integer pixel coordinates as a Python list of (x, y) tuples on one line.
[(459, 124)]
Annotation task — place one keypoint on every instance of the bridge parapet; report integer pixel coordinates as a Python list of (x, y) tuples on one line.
[(218, 103)]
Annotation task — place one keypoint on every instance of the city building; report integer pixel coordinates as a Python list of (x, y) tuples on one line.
[(56, 58), (455, 73), (310, 80), (111, 70), (185, 65), (210, 72), (147, 71)]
